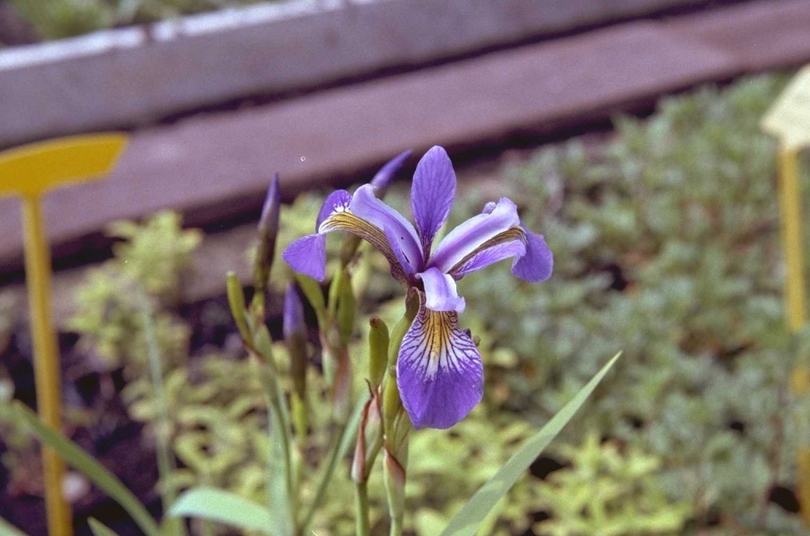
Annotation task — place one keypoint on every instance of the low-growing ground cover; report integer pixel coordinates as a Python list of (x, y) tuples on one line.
[(666, 243), (56, 19)]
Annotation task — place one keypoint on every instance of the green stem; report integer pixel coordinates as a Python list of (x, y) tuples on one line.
[(396, 526), (163, 450), (278, 424), (362, 524), (326, 478)]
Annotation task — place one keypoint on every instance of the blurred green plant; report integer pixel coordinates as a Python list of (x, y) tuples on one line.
[(153, 257), (666, 241), (56, 19), (608, 491)]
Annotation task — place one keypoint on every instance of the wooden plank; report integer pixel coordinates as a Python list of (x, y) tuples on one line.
[(133, 76), (217, 166), (761, 35)]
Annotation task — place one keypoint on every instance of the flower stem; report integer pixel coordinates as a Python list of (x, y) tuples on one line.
[(362, 524), (163, 449), (396, 526), (326, 478)]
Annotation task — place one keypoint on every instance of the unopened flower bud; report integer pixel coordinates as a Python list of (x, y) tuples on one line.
[(268, 232), (346, 309), (369, 439), (385, 176), (395, 464), (295, 337), (377, 351), (236, 301)]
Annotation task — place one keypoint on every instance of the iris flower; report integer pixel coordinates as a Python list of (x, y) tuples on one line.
[(439, 369)]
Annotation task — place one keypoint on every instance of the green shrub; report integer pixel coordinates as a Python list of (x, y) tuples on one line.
[(666, 243)]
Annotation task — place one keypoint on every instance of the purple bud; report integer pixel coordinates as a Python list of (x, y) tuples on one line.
[(385, 176), (268, 231), (293, 314), (295, 337), (270, 210)]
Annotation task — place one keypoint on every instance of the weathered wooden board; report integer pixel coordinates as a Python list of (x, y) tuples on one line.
[(133, 76)]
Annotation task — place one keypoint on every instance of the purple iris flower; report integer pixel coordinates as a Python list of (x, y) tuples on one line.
[(439, 369)]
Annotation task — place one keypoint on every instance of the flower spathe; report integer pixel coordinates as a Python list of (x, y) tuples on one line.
[(439, 369)]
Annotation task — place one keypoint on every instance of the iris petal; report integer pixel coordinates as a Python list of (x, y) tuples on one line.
[(351, 223), (536, 265), (307, 256), (473, 234), (337, 201), (439, 371), (365, 205), (440, 292), (510, 247), (432, 193)]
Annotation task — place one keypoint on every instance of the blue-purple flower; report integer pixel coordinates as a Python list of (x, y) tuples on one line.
[(439, 368)]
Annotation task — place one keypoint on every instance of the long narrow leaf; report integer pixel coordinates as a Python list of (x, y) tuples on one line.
[(470, 518), (85, 464), (7, 529), (100, 529), (222, 507)]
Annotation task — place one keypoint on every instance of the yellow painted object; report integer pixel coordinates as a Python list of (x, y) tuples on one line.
[(790, 200), (789, 120), (29, 172)]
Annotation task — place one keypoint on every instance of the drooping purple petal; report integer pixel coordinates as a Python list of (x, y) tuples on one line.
[(474, 233), (365, 205), (307, 256), (385, 176), (490, 255), (351, 223), (337, 201), (536, 265), (440, 292), (432, 193), (439, 371)]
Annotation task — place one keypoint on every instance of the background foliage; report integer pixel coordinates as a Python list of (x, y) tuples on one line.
[(666, 244)]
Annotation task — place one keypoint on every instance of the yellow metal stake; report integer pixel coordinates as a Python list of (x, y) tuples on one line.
[(792, 240), (796, 310), (30, 172), (789, 120)]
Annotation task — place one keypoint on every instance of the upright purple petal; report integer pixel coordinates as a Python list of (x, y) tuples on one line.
[(536, 265), (440, 374), (365, 205), (440, 292), (307, 256), (489, 255), (473, 234), (432, 193), (337, 201)]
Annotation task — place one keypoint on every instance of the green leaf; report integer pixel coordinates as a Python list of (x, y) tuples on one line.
[(85, 464), (222, 507), (470, 518), (7, 529), (100, 529)]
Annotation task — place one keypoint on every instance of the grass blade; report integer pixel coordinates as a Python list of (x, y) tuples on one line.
[(85, 464), (472, 515), (223, 507), (7, 529), (100, 529)]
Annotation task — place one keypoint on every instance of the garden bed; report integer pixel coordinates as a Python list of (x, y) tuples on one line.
[(666, 246)]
